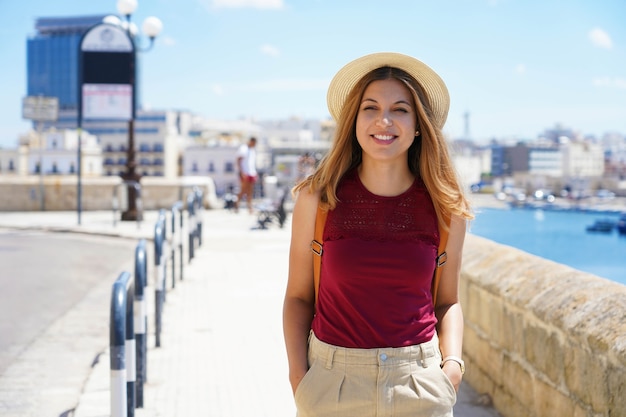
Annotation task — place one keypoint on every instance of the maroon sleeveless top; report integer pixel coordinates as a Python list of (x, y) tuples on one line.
[(377, 268)]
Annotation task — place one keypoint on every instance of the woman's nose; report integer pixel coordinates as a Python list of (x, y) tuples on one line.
[(384, 121)]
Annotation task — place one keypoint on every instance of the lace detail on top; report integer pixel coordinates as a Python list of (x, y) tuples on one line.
[(361, 214)]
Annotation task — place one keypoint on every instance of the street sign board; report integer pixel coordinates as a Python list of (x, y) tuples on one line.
[(107, 83), (40, 108), (107, 101)]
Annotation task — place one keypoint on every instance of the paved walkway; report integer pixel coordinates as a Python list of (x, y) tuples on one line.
[(222, 351)]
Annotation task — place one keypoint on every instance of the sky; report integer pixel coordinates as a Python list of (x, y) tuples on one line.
[(517, 67)]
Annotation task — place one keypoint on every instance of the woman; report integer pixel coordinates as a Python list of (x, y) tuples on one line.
[(371, 342)]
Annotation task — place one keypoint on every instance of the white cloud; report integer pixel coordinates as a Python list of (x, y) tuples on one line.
[(217, 89), (269, 50), (520, 69), (255, 4), (167, 41), (600, 38), (615, 82)]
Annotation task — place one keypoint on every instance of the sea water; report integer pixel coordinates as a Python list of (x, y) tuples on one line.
[(557, 235)]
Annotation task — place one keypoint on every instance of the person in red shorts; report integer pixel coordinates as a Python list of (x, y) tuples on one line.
[(246, 165)]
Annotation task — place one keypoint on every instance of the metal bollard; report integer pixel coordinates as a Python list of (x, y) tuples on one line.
[(199, 213), (164, 251), (141, 319), (159, 279), (192, 224), (122, 346), (180, 236), (176, 240)]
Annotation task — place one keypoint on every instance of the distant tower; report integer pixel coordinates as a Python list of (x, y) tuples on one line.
[(466, 116)]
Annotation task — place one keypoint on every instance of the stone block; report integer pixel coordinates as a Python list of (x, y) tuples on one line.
[(549, 401), (586, 376), (544, 349), (513, 330), (617, 391), (518, 381), (508, 404), (473, 304)]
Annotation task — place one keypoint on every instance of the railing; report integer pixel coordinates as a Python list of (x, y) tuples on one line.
[(129, 311)]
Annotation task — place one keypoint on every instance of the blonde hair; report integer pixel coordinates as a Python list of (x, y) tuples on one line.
[(428, 156)]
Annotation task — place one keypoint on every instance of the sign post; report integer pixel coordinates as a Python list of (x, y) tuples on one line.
[(107, 91), (40, 109)]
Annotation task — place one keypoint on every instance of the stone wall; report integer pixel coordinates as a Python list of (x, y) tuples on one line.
[(60, 192), (542, 339)]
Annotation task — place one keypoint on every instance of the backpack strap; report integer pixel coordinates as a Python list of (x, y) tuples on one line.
[(442, 258), (317, 247)]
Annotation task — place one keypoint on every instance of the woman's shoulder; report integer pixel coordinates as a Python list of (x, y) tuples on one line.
[(307, 200)]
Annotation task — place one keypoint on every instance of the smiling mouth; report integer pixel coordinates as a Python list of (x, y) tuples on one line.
[(384, 137)]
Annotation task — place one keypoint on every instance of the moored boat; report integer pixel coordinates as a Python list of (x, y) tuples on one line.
[(602, 226), (621, 224)]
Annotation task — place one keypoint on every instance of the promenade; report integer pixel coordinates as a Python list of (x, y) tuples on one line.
[(222, 351)]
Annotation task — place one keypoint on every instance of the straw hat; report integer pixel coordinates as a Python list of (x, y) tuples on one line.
[(350, 74)]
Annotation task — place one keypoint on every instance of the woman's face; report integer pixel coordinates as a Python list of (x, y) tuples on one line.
[(386, 121)]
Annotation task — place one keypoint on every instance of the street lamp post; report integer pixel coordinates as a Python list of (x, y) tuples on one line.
[(151, 28)]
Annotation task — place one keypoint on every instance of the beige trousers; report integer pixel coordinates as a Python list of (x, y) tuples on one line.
[(388, 382)]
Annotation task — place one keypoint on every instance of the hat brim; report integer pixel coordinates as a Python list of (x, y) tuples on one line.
[(347, 77)]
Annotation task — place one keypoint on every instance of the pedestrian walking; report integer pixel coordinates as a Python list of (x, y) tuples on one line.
[(246, 166)]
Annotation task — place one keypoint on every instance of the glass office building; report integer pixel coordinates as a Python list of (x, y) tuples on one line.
[(52, 57)]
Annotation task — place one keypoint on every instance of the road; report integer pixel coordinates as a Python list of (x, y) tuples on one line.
[(54, 303)]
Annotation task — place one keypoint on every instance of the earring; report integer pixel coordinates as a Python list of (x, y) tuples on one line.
[(417, 133)]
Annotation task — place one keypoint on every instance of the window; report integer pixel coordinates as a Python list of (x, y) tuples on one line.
[(229, 167), (211, 167)]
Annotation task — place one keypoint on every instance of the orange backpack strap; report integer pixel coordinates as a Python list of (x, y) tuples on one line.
[(441, 259), (317, 246)]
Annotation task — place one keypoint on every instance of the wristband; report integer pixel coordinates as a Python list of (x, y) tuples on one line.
[(454, 359)]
